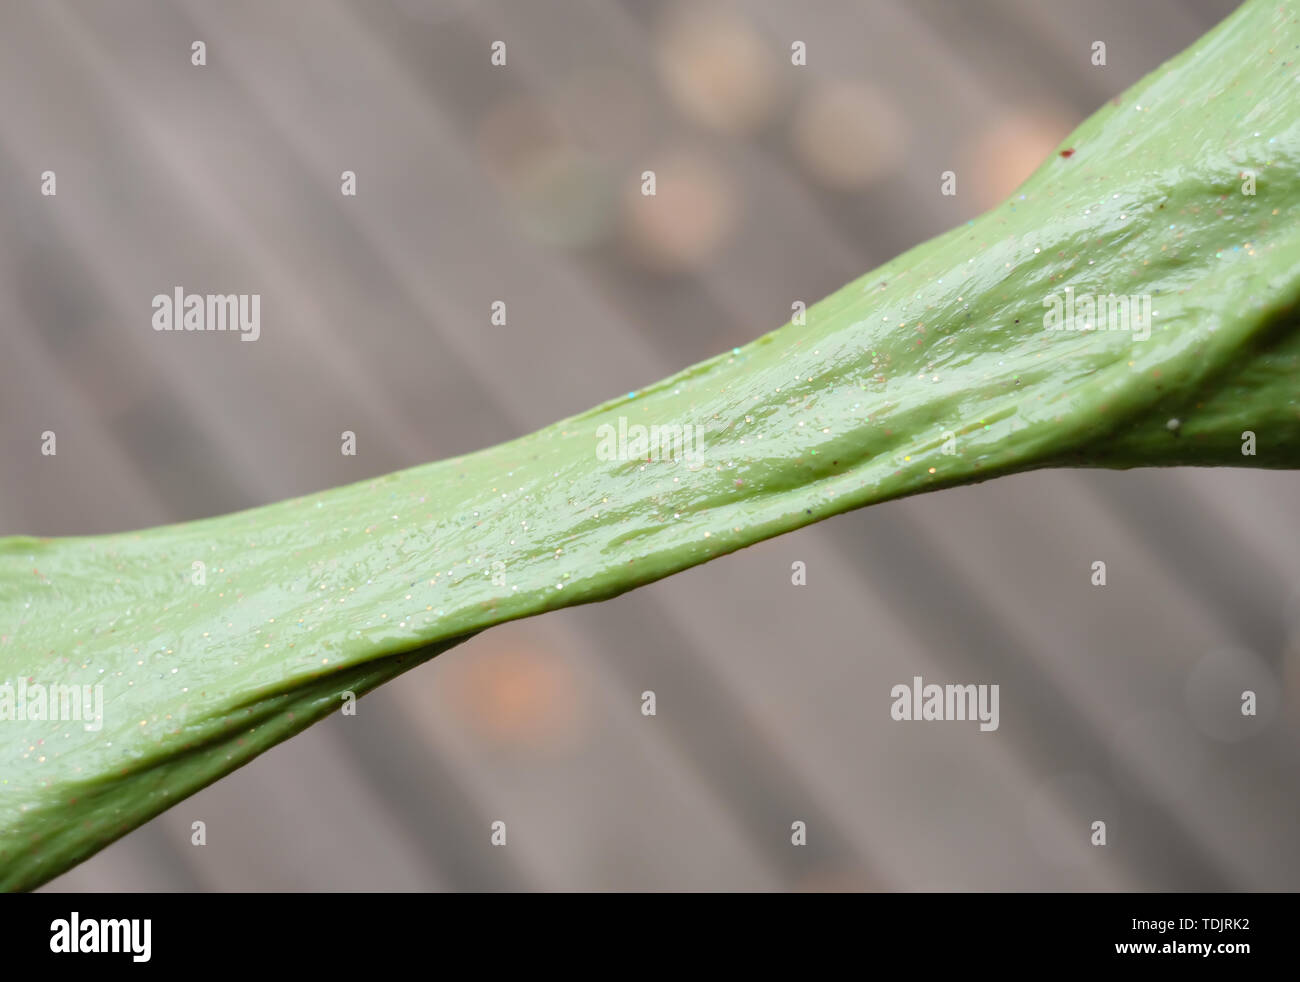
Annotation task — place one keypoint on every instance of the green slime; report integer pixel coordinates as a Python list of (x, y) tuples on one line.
[(934, 370)]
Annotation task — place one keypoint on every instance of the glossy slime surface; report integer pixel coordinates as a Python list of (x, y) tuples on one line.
[(345, 589)]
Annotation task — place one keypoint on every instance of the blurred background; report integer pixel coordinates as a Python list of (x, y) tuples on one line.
[(521, 183)]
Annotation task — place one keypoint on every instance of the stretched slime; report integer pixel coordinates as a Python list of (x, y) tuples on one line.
[(934, 370)]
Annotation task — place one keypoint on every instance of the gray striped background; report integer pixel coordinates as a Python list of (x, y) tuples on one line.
[(520, 183)]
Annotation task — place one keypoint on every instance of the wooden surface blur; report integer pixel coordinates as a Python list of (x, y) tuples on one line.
[(521, 183)]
